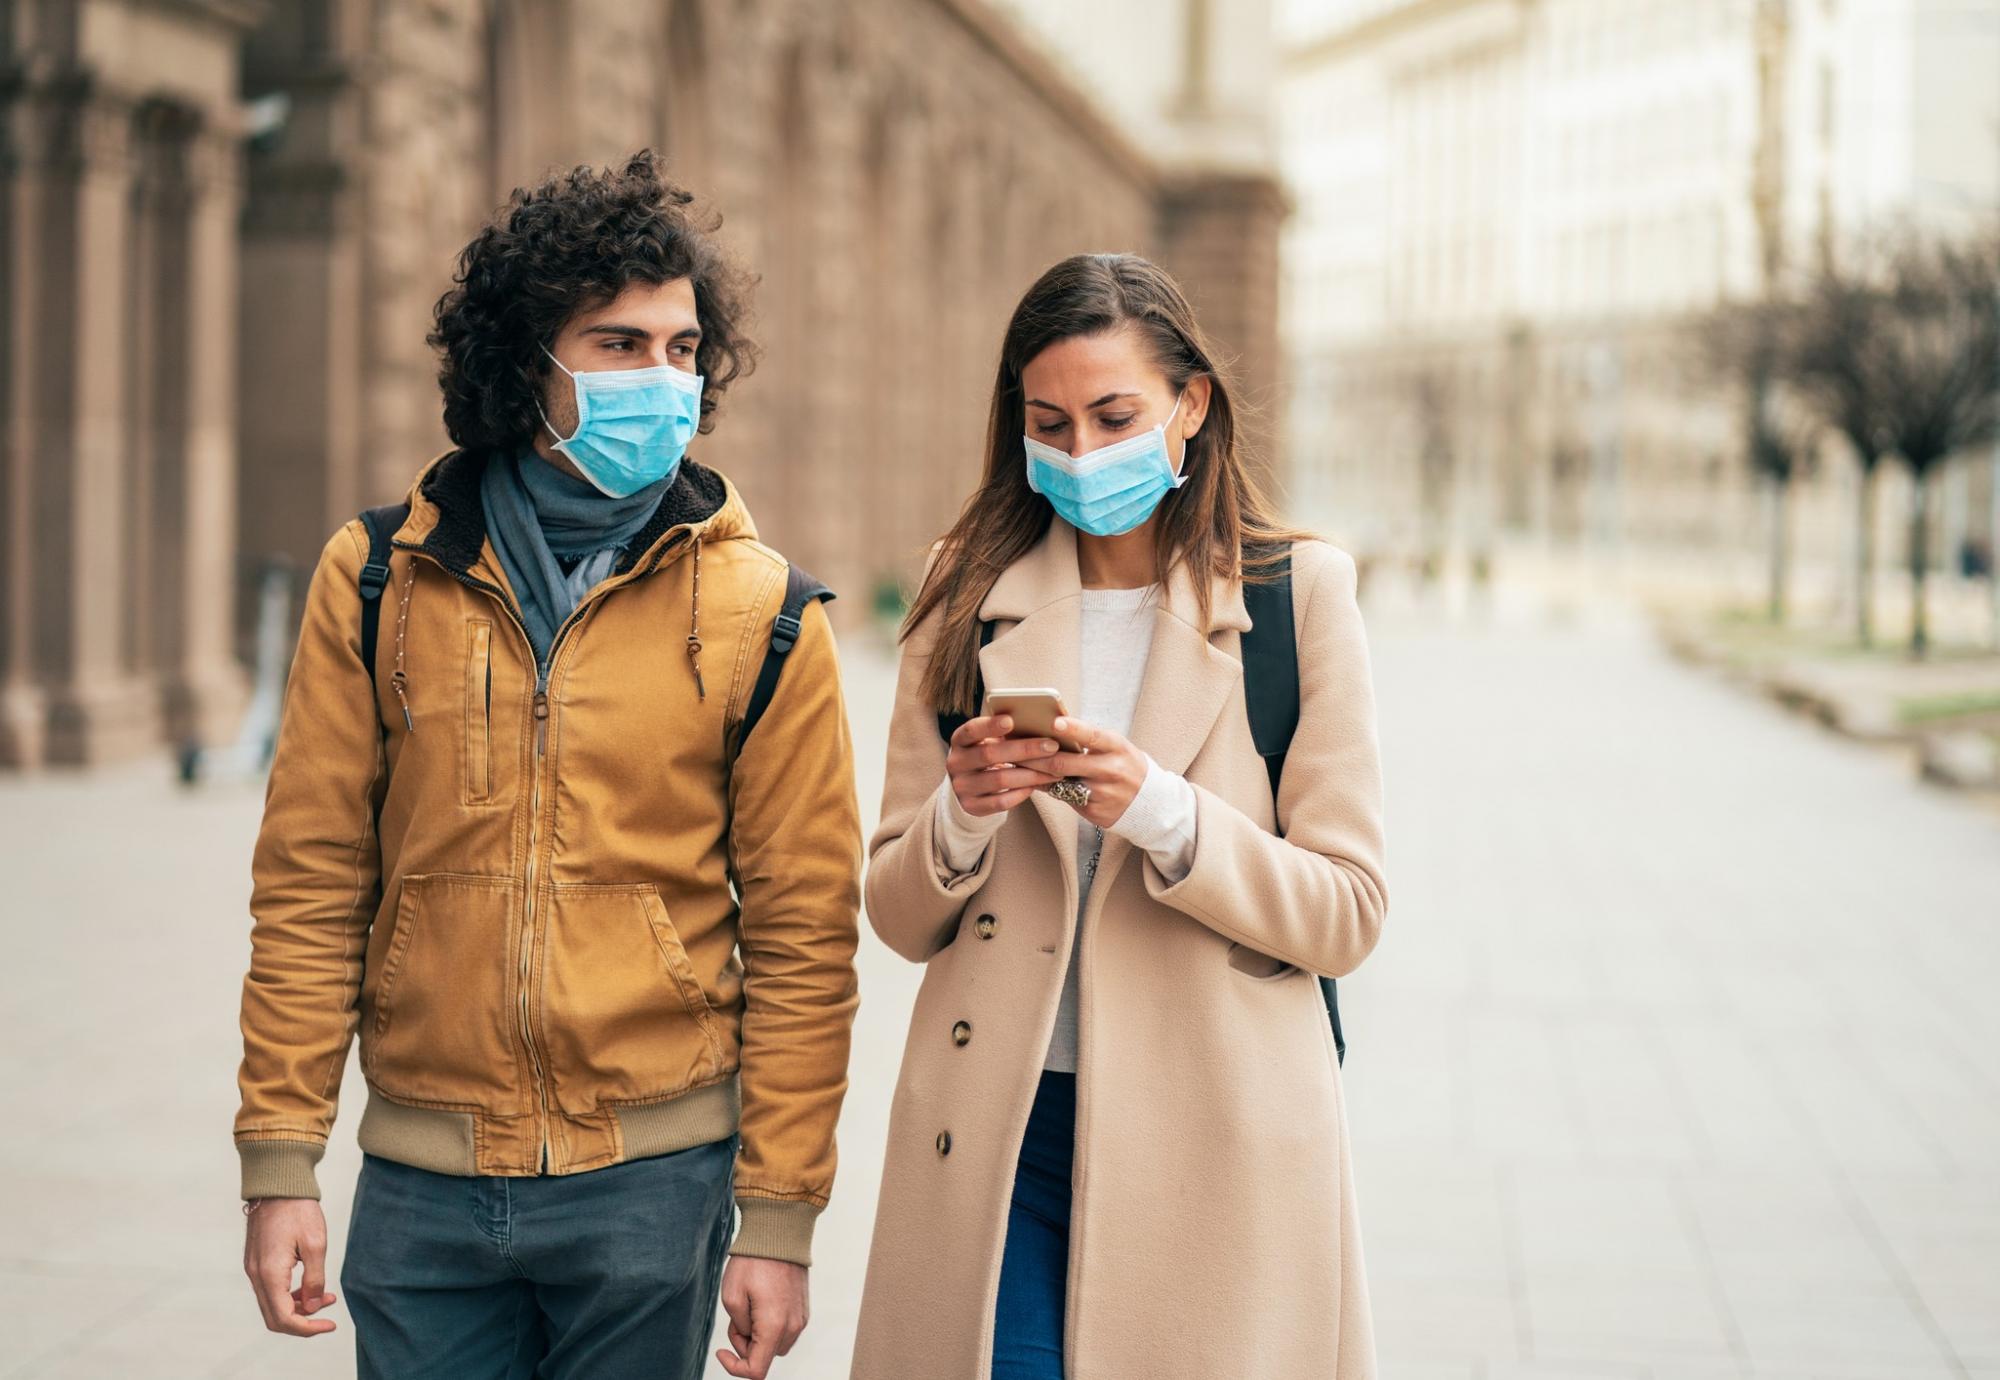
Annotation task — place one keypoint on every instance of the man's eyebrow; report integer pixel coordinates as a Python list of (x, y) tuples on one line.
[(640, 333), (1108, 397)]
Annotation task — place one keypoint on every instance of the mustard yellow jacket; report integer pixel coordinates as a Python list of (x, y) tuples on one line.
[(571, 926)]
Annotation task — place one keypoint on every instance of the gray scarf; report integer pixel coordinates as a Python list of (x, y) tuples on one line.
[(534, 514)]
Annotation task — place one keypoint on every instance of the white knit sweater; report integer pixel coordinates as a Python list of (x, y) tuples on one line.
[(1117, 628)]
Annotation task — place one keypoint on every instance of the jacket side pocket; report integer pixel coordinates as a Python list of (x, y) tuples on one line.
[(478, 711), (624, 1015), (438, 1015)]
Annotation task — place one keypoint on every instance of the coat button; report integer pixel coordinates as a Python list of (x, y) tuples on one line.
[(985, 925), (961, 1034), (944, 1142)]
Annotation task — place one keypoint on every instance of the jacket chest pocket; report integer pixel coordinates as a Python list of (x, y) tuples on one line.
[(478, 712)]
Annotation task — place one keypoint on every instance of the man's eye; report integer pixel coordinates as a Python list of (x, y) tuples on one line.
[(616, 344)]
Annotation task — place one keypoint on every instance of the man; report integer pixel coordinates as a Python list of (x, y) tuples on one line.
[(597, 938)]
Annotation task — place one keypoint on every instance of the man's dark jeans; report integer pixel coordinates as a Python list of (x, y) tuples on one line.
[(606, 1274)]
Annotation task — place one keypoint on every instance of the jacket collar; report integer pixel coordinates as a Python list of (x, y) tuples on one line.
[(447, 522)]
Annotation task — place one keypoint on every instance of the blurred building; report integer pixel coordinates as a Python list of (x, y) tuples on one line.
[(225, 223), (1510, 211)]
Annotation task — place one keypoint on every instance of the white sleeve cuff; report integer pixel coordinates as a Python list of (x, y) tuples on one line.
[(961, 837), (1161, 820)]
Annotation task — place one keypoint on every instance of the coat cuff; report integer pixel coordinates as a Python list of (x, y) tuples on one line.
[(775, 1229), (280, 1168)]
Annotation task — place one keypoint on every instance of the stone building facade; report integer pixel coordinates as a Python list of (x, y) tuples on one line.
[(1513, 216), (120, 190), (897, 171)]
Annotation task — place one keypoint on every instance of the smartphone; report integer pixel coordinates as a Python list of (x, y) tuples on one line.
[(1035, 710)]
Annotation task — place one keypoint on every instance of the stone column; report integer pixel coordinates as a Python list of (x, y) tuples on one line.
[(202, 682), (301, 311), (1219, 237), (72, 696)]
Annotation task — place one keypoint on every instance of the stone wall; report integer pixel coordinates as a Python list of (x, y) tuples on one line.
[(897, 171)]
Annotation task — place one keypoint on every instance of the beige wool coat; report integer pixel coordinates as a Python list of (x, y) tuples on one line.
[(1213, 1229)]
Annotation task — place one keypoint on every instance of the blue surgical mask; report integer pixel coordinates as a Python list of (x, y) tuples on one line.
[(632, 425), (1108, 490)]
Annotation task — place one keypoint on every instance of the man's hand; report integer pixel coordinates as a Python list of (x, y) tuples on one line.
[(281, 1233), (767, 1306)]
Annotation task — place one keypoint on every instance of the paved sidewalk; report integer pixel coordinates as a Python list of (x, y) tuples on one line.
[(1676, 1062)]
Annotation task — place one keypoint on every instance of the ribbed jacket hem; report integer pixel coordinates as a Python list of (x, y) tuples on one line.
[(280, 1168), (775, 1229), (448, 1142)]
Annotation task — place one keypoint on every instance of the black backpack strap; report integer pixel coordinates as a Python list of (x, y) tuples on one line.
[(382, 524), (949, 724), (1271, 669), (1271, 691), (800, 589)]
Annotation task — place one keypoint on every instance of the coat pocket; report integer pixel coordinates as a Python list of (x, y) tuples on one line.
[(438, 1004), (478, 711), (1259, 965), (624, 1016)]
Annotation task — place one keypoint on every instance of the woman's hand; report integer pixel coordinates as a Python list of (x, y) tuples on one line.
[(992, 773), (1112, 768)]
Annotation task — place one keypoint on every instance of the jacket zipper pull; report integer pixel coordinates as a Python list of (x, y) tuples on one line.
[(541, 720)]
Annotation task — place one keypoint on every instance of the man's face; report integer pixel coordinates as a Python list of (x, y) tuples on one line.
[(643, 326)]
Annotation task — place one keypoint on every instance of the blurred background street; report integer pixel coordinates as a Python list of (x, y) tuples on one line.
[(1645, 354), (1675, 1060)]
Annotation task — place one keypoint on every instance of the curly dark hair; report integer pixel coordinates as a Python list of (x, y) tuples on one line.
[(572, 243)]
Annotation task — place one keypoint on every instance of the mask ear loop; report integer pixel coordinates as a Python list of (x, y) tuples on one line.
[(564, 440), (1180, 475)]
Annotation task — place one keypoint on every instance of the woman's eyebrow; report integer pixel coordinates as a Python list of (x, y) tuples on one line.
[(1108, 397)]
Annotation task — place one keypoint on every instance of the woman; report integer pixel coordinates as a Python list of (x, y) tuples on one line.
[(1117, 1147)]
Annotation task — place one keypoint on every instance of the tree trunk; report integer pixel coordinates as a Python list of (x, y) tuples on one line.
[(1777, 495), (1864, 557), (1920, 557)]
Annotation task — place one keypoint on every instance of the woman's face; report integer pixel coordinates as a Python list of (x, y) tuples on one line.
[(1091, 391)]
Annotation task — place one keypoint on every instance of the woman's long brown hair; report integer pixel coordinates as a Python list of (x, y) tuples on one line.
[(1219, 521)]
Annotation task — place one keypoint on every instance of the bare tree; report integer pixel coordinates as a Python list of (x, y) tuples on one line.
[(1746, 345), (1899, 353), (1432, 402)]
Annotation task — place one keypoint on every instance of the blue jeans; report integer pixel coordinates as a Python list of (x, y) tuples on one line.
[(607, 1274), (1034, 1271)]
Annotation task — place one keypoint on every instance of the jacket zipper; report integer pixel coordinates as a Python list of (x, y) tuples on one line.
[(528, 914), (524, 975)]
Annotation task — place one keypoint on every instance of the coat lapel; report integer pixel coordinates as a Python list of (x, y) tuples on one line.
[(1042, 647), (1189, 681), (1189, 676)]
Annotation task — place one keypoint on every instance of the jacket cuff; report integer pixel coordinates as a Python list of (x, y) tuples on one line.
[(280, 1168), (775, 1229)]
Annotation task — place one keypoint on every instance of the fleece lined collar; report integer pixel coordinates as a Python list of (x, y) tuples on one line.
[(448, 523)]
